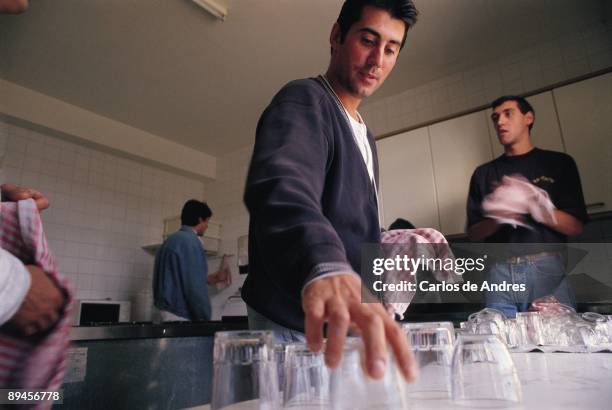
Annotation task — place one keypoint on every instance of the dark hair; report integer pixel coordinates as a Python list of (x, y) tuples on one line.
[(401, 223), (400, 9), (523, 105), (193, 210)]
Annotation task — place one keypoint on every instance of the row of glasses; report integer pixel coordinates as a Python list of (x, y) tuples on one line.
[(475, 370), (250, 372), (554, 329)]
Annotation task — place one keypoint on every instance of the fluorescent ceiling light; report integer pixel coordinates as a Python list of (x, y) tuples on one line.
[(213, 8)]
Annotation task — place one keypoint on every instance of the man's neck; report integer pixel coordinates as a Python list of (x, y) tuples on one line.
[(349, 101), (519, 148)]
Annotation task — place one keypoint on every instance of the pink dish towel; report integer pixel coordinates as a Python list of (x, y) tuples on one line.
[(515, 195), (414, 243), (24, 363)]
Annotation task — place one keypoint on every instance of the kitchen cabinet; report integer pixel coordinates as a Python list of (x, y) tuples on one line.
[(458, 146), (425, 173), (585, 114), (407, 185), (545, 133)]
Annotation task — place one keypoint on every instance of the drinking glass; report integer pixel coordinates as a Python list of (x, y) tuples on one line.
[(531, 328), (245, 371), (280, 350), (306, 379), (432, 345), (352, 389), (600, 325), (482, 372), (513, 333)]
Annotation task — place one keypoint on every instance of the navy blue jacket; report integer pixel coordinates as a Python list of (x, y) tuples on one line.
[(310, 199), (180, 276)]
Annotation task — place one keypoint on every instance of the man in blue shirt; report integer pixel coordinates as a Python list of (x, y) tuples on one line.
[(181, 272)]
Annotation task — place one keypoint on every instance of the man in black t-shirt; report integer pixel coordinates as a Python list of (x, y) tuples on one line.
[(538, 235)]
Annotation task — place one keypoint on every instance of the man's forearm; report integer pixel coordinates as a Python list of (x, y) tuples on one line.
[(482, 230), (15, 281), (566, 224)]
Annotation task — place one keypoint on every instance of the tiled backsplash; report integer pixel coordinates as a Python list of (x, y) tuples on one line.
[(103, 209), (224, 196), (542, 65)]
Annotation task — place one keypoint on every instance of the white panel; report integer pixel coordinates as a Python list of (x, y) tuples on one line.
[(545, 133), (585, 113), (406, 179), (458, 147)]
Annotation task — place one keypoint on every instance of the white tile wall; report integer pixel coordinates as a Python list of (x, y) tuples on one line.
[(103, 209), (539, 66), (224, 196)]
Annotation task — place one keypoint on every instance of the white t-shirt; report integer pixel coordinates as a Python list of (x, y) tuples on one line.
[(360, 133), (14, 285)]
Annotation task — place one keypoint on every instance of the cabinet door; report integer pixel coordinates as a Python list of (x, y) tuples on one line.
[(545, 133), (585, 114), (406, 179), (458, 147)]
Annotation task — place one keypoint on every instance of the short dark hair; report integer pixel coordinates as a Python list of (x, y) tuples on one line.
[(401, 223), (400, 9), (523, 105), (193, 210)]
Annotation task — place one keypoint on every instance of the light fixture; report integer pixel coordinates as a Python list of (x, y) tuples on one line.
[(213, 8)]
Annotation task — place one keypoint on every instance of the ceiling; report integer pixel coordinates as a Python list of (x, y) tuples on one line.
[(169, 68)]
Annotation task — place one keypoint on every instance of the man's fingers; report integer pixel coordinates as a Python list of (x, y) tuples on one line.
[(42, 202), (314, 311), (14, 192), (338, 319), (373, 333), (401, 349)]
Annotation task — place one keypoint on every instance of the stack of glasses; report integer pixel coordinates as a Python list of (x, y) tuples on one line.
[(557, 330)]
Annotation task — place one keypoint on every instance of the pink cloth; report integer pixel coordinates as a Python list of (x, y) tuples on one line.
[(414, 243), (515, 195), (25, 363)]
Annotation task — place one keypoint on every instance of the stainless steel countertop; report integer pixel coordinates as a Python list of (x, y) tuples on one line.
[(149, 330)]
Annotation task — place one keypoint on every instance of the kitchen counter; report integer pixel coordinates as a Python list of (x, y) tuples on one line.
[(141, 365), (144, 330), (559, 381)]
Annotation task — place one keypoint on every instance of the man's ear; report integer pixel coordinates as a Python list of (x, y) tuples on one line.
[(334, 37), (530, 117)]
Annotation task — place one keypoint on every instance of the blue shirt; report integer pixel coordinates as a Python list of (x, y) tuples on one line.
[(180, 276)]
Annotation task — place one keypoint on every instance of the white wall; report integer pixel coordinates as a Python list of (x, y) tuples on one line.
[(224, 196), (92, 128), (542, 65), (103, 209)]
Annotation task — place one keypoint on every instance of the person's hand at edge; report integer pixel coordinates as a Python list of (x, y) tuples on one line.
[(12, 192)]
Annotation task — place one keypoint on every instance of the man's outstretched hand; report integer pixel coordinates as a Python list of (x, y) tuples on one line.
[(337, 301)]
